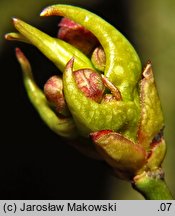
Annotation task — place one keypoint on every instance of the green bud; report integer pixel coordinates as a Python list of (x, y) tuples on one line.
[(119, 109)]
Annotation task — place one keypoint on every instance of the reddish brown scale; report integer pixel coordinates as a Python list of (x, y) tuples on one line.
[(114, 90), (98, 58), (53, 90), (90, 83), (77, 35)]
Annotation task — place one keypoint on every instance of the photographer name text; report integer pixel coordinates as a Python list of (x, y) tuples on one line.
[(68, 207)]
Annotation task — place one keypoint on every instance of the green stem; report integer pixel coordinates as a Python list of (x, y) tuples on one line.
[(152, 185)]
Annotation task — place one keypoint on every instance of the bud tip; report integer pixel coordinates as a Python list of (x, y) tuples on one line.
[(6, 36), (19, 53), (46, 12), (70, 63), (15, 20)]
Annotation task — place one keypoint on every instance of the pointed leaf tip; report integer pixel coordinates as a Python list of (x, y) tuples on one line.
[(16, 22), (7, 36), (42, 13), (19, 54), (54, 10), (14, 19), (13, 36), (147, 72), (70, 63), (47, 11), (23, 61)]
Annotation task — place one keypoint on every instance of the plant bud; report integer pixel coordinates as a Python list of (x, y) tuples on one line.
[(98, 59), (77, 35), (53, 90), (90, 83), (126, 123)]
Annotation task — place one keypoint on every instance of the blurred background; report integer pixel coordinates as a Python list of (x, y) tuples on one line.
[(36, 163)]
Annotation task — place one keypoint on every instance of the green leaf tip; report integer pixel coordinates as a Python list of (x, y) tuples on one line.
[(58, 51)]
